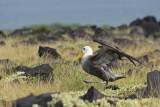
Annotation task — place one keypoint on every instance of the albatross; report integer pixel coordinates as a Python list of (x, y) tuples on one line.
[(98, 64)]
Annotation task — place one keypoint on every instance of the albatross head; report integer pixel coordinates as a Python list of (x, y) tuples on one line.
[(85, 53)]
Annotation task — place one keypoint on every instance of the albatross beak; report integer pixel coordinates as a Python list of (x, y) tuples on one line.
[(79, 56)]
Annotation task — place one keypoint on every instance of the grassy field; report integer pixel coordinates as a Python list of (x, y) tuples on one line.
[(69, 76)]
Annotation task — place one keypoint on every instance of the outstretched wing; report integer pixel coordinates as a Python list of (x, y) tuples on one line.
[(109, 53)]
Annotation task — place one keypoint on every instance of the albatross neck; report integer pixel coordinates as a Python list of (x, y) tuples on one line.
[(86, 56)]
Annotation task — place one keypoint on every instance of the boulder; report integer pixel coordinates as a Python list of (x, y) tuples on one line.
[(2, 34), (153, 83), (101, 33), (48, 51), (81, 32), (44, 71), (56, 36), (136, 22), (150, 28), (156, 36), (122, 27), (150, 19), (92, 95), (149, 25), (20, 32), (40, 100), (147, 19), (2, 43)]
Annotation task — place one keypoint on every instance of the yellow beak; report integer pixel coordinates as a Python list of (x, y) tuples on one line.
[(79, 56)]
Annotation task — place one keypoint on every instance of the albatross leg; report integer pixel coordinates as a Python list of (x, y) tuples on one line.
[(93, 81), (105, 85)]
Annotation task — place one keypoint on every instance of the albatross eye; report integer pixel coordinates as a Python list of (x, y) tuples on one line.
[(83, 48)]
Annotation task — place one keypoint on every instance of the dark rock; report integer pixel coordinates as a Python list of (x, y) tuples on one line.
[(150, 28), (43, 37), (150, 19), (44, 71), (20, 32), (122, 27), (92, 95), (81, 32), (2, 43), (28, 101), (133, 96), (56, 36), (2, 34), (93, 27), (67, 30), (156, 36), (30, 41), (48, 51), (101, 33), (113, 87), (59, 104), (153, 83), (147, 19), (149, 25), (136, 22), (123, 42)]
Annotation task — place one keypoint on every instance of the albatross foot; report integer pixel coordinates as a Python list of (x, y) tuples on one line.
[(105, 85), (93, 81)]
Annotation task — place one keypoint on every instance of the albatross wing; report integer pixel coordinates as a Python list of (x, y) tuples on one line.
[(107, 48)]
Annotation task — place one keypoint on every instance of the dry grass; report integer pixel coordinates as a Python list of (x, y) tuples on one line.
[(69, 77)]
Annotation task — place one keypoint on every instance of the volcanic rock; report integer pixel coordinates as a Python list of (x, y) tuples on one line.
[(48, 51), (44, 71), (153, 83), (28, 101), (122, 27), (2, 34), (150, 28), (147, 19), (92, 95), (2, 43), (101, 33), (81, 32)]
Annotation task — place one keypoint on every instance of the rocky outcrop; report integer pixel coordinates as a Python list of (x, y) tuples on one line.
[(153, 83), (92, 95), (2, 34), (149, 24), (101, 33), (40, 100), (44, 71), (48, 51)]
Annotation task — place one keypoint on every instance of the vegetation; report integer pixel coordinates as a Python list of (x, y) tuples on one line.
[(69, 76)]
